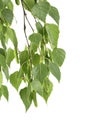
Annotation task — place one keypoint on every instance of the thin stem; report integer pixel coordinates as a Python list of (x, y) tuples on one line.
[(27, 17), (29, 22), (30, 9), (24, 14)]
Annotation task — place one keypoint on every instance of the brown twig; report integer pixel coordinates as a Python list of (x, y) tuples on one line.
[(29, 22), (24, 15)]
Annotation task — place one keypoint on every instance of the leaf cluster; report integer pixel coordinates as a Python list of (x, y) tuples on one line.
[(40, 57)]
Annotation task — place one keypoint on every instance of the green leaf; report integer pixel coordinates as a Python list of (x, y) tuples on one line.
[(58, 56), (3, 42), (53, 34), (5, 2), (1, 5), (1, 79), (9, 56), (28, 4), (34, 98), (20, 73), (47, 88), (24, 57), (10, 5), (15, 80), (12, 36), (17, 2), (25, 68), (40, 72), (7, 15), (2, 61), (53, 12), (2, 52), (6, 72), (54, 69), (36, 59), (40, 10), (24, 61), (3, 30), (26, 97), (5, 92), (35, 39), (39, 27), (37, 87)]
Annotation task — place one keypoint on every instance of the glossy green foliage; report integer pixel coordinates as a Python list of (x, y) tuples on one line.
[(54, 69), (35, 39), (26, 96), (5, 92), (58, 56), (10, 56), (40, 72), (28, 4), (17, 2), (53, 34), (44, 7), (41, 55), (53, 12), (47, 88), (15, 79), (37, 87)]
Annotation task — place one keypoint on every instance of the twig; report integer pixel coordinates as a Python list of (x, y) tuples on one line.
[(29, 22), (33, 16), (24, 14)]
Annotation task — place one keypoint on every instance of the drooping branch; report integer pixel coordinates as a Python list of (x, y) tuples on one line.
[(25, 18), (41, 56)]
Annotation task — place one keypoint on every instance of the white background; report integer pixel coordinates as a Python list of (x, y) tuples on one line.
[(67, 108)]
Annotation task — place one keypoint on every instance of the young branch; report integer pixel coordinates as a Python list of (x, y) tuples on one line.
[(23, 2), (24, 15), (29, 22)]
